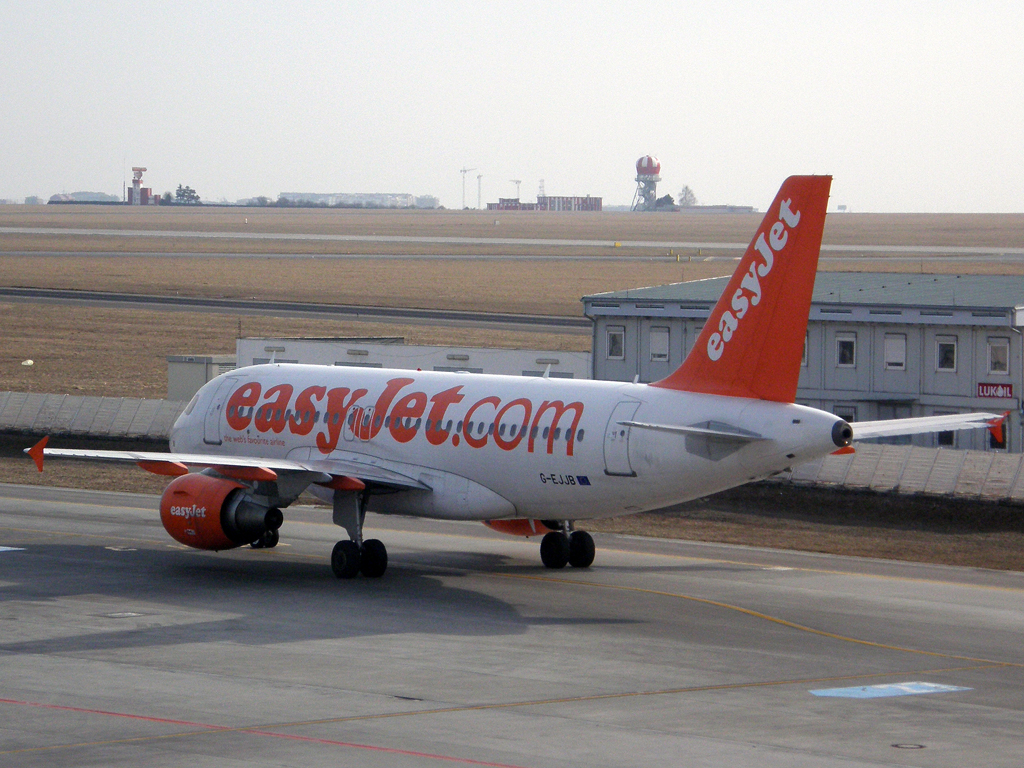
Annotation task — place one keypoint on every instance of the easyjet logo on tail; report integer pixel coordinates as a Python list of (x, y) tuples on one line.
[(749, 293)]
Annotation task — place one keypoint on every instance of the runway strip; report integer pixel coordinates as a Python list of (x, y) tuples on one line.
[(470, 652), (685, 245)]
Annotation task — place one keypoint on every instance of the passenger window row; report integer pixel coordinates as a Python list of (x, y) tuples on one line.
[(305, 417)]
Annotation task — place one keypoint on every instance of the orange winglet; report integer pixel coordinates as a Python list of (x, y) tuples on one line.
[(36, 452), (995, 426), (845, 450), (246, 473), (344, 483), (167, 468)]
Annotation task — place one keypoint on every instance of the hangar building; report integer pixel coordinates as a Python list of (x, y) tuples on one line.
[(879, 345)]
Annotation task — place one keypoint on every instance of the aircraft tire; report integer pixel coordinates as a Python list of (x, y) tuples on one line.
[(554, 550), (345, 560), (581, 549), (270, 538), (373, 559)]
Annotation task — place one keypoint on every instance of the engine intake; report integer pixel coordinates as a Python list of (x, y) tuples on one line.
[(213, 513)]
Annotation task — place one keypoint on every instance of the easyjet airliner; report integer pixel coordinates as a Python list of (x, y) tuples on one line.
[(527, 456)]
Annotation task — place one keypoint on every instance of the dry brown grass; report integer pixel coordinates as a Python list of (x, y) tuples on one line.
[(547, 288), (87, 351), (963, 532)]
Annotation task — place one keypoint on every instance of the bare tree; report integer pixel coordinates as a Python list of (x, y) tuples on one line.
[(687, 198)]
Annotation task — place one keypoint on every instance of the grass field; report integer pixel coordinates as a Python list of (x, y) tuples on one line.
[(123, 353)]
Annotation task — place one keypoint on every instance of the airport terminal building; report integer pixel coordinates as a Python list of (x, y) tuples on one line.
[(879, 345)]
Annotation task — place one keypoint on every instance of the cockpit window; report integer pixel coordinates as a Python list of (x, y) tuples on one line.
[(191, 404)]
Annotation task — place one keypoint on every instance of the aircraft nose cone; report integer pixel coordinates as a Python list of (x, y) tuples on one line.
[(842, 434)]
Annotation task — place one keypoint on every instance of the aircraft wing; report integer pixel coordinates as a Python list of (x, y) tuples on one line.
[(863, 430), (325, 471)]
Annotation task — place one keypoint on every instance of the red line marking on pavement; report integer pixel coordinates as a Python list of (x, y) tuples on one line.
[(256, 732), (125, 715)]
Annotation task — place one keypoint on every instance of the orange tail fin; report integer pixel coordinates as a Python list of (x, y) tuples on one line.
[(753, 341)]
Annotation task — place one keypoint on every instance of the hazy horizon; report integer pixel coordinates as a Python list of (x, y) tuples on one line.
[(912, 108)]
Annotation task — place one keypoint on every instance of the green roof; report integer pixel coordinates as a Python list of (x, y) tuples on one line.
[(857, 288)]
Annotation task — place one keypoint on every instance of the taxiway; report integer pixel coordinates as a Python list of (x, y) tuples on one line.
[(120, 647)]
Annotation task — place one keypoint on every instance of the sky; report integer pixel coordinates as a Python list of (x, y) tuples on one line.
[(911, 106)]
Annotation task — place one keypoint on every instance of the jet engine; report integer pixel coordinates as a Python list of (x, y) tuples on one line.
[(213, 513)]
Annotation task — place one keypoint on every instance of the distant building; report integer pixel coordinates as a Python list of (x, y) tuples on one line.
[(394, 353), (187, 373), (547, 203), (85, 197), (145, 196), (879, 345), (363, 199)]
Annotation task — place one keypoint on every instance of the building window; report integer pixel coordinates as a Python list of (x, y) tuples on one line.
[(659, 344), (999, 356), (945, 439), (803, 358), (895, 351), (846, 412), (616, 342), (945, 353), (846, 350)]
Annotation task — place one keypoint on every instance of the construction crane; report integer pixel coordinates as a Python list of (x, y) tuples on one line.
[(464, 171), (517, 182)]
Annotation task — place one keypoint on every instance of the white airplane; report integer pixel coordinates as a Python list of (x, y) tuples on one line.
[(527, 456)]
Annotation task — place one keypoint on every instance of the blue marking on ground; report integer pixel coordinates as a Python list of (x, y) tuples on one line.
[(890, 689), (12, 549)]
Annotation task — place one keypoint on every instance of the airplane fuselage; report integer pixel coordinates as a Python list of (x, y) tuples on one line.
[(486, 447)]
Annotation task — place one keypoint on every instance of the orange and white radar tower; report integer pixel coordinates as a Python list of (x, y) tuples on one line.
[(648, 171)]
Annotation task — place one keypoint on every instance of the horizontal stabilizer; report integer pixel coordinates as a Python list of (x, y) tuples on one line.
[(864, 430)]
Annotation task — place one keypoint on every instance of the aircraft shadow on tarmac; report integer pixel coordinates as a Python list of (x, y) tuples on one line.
[(264, 603)]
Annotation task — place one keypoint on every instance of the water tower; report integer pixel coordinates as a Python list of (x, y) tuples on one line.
[(647, 177)]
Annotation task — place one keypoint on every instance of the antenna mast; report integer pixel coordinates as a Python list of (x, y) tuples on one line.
[(464, 171)]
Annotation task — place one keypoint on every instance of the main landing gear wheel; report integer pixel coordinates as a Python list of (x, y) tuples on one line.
[(345, 559), (373, 559), (554, 550), (268, 540), (581, 549)]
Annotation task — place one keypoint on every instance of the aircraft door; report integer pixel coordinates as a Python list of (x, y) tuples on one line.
[(212, 422), (616, 440)]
